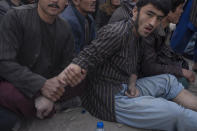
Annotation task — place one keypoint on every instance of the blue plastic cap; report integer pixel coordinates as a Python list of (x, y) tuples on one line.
[(100, 125)]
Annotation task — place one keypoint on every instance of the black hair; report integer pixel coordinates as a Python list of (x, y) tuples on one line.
[(176, 3), (163, 5)]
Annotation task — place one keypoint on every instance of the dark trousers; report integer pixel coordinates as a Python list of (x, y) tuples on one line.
[(7, 119), (13, 103)]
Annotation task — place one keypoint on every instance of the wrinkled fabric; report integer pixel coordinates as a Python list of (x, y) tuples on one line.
[(20, 47), (123, 12), (159, 58)]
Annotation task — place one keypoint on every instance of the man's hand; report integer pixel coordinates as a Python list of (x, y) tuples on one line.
[(43, 106), (132, 91), (189, 75), (53, 89), (72, 75)]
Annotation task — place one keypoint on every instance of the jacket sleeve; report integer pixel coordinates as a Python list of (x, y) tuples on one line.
[(11, 40), (107, 42), (150, 65)]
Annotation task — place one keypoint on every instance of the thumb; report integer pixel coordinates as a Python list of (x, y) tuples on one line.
[(133, 91)]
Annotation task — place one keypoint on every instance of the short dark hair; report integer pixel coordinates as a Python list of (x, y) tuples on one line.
[(163, 5), (176, 3)]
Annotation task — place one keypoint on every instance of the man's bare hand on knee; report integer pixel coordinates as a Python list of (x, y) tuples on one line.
[(189, 75), (132, 91), (53, 89), (43, 106), (72, 75)]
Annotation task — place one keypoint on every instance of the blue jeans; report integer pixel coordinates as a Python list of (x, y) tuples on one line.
[(152, 109)]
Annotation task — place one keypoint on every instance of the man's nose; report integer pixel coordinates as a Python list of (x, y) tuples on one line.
[(153, 21)]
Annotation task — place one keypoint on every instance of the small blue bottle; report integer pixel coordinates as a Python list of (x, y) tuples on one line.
[(100, 126)]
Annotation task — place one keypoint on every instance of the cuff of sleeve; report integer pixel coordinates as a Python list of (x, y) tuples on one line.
[(36, 86), (81, 63)]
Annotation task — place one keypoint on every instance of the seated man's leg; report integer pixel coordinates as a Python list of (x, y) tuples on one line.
[(167, 86), (7, 119), (187, 100), (15, 101), (153, 113)]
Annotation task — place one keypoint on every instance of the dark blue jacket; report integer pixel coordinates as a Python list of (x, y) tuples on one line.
[(77, 23), (184, 30)]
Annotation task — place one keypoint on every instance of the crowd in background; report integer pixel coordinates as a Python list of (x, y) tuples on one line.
[(109, 51)]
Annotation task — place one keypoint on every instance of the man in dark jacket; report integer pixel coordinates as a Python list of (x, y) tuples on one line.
[(158, 57), (123, 12), (35, 45), (77, 14), (5, 5)]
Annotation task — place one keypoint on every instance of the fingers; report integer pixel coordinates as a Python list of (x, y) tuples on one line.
[(39, 114), (192, 77), (133, 92), (43, 106), (61, 78), (54, 96), (74, 77), (52, 89), (129, 94), (46, 112)]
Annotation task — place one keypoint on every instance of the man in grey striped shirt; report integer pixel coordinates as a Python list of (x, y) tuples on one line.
[(112, 92)]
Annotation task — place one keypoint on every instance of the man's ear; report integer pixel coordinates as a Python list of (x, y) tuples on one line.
[(76, 2), (135, 12)]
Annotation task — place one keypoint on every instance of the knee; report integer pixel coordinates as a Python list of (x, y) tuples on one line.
[(12, 99), (8, 92)]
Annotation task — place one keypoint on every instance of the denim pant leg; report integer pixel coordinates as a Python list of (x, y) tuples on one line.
[(150, 112), (165, 86)]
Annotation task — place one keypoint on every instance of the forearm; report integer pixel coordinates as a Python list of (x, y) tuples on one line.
[(132, 79), (150, 69), (104, 46)]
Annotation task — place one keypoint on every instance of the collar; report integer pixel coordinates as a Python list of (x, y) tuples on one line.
[(161, 31), (80, 16)]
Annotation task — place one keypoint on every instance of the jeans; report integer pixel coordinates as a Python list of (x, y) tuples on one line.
[(152, 109)]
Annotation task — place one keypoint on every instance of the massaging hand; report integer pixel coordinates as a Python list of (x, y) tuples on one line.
[(132, 91), (53, 89), (43, 106), (189, 75), (72, 75)]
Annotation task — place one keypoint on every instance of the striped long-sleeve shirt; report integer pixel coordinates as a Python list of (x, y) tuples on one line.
[(114, 56)]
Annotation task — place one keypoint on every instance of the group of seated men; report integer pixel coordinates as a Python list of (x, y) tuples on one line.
[(127, 72)]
